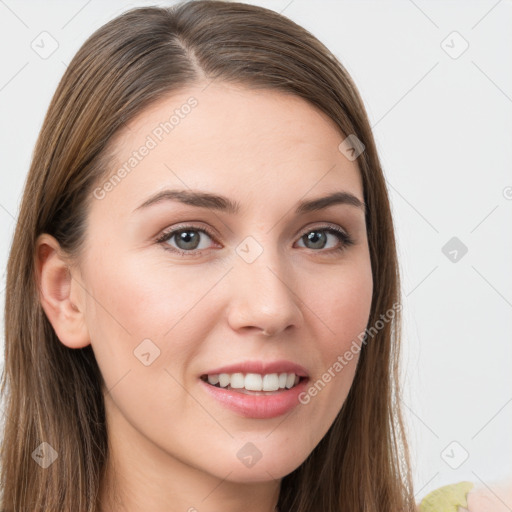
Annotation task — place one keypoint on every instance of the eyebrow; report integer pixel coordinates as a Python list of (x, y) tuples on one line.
[(222, 203)]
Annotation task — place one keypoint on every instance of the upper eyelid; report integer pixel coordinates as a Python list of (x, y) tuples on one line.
[(169, 232)]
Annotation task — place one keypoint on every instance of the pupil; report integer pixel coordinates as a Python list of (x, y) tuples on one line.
[(315, 236), (190, 239)]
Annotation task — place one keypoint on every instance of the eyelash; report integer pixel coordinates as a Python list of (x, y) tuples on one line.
[(342, 236)]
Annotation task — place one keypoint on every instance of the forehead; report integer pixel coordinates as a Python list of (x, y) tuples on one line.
[(228, 138)]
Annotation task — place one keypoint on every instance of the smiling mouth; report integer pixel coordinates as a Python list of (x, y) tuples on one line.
[(254, 383)]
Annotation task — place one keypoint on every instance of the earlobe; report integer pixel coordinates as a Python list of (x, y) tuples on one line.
[(57, 288)]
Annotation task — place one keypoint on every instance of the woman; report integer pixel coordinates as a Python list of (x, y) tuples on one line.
[(202, 301)]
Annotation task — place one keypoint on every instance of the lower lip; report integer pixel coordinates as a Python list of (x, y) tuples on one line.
[(257, 406)]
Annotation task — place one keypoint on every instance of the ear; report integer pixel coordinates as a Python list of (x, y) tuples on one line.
[(60, 294)]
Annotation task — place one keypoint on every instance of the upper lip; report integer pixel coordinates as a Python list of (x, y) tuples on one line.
[(261, 367)]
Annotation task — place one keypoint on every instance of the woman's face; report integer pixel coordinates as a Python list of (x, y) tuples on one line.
[(268, 289)]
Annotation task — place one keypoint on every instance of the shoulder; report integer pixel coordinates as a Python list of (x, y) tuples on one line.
[(469, 497)]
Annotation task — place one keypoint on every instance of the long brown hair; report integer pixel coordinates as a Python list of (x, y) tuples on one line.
[(53, 394)]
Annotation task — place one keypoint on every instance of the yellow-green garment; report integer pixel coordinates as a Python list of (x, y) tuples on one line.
[(447, 498)]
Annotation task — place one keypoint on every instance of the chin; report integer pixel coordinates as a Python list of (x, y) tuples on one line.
[(253, 465)]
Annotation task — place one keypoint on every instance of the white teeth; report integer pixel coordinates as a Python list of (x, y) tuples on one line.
[(255, 381), (213, 379), (224, 380), (271, 382), (237, 380)]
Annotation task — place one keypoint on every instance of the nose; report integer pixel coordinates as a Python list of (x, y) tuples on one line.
[(262, 297)]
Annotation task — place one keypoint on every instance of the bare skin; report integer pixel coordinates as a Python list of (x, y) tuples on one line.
[(172, 446)]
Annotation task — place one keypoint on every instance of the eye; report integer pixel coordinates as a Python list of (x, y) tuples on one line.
[(317, 238), (187, 240)]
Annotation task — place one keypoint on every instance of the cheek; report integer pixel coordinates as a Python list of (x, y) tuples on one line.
[(345, 308), (130, 302)]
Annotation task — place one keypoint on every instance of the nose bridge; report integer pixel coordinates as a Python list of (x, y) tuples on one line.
[(263, 295)]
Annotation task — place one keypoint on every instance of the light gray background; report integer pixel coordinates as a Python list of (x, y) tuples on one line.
[(443, 126)]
